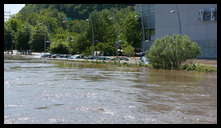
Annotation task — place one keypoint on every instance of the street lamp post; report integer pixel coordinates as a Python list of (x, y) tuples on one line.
[(179, 21), (177, 12)]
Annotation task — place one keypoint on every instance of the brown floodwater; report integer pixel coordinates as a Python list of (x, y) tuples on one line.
[(37, 92)]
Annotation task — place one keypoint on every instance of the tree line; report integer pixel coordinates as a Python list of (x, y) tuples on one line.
[(50, 29)]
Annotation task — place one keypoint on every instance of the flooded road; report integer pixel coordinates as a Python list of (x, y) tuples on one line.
[(36, 92)]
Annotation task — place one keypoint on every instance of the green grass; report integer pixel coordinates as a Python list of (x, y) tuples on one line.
[(114, 63), (198, 67), (187, 67), (15, 57)]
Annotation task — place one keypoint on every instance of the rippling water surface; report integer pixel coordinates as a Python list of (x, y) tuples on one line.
[(36, 92)]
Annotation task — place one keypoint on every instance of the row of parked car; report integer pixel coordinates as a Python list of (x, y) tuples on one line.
[(78, 56)]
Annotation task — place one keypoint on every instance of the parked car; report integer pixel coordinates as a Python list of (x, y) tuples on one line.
[(102, 58), (140, 54), (45, 55), (124, 58), (78, 56), (120, 58), (89, 57), (54, 56)]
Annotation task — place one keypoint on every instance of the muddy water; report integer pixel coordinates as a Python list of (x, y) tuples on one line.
[(87, 93)]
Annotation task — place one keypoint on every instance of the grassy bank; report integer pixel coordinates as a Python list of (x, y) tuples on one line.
[(198, 67), (101, 63), (187, 67), (14, 57)]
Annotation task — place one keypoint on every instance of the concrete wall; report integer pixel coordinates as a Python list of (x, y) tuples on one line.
[(203, 32)]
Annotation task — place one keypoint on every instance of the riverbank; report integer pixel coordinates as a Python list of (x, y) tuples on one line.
[(198, 65)]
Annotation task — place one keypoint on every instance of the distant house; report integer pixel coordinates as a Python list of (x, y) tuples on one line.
[(198, 21)]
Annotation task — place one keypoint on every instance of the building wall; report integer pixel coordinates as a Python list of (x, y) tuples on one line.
[(147, 14), (147, 11), (203, 32)]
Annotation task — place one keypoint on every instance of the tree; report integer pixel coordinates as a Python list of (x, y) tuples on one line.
[(76, 11), (132, 29), (102, 26), (67, 23), (109, 49), (83, 42), (39, 36), (128, 50), (23, 37), (128, 26), (78, 26), (60, 47), (170, 51), (111, 26), (12, 26), (7, 38)]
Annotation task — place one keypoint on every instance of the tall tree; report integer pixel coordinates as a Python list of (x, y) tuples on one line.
[(39, 38), (14, 25), (7, 37), (23, 37)]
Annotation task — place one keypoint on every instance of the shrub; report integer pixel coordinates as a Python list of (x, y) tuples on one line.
[(170, 51), (128, 50), (198, 67)]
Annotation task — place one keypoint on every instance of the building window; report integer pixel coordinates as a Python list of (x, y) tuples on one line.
[(209, 14), (149, 33), (201, 13), (213, 14)]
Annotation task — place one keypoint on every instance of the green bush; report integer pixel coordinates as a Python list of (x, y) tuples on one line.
[(170, 51), (198, 67), (128, 50)]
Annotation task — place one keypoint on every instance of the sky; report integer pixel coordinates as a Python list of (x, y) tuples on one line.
[(13, 8)]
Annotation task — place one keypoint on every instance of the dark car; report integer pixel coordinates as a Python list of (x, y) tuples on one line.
[(102, 58), (54, 56), (90, 57)]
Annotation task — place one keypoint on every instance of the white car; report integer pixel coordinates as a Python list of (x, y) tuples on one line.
[(76, 57), (45, 55)]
